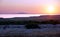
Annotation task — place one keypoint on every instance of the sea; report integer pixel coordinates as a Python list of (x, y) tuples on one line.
[(17, 15)]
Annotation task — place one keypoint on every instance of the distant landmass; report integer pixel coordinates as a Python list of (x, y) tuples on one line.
[(13, 13), (21, 13), (38, 18), (43, 19)]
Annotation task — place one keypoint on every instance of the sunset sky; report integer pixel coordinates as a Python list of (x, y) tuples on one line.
[(30, 6)]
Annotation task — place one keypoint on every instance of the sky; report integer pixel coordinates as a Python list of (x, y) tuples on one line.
[(29, 6)]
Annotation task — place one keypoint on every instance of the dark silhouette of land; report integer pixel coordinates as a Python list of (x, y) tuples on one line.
[(31, 23), (45, 19)]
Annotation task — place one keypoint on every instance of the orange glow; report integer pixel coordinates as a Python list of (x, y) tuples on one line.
[(51, 10)]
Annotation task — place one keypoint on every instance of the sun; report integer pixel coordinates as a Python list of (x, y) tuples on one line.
[(50, 9)]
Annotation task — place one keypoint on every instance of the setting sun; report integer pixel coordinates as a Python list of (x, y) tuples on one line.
[(50, 8)]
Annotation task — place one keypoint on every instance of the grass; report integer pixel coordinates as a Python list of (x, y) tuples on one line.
[(31, 35)]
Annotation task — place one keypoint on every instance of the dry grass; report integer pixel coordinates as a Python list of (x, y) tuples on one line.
[(38, 34)]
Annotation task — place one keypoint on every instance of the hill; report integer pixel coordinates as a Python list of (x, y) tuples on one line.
[(44, 19), (38, 18)]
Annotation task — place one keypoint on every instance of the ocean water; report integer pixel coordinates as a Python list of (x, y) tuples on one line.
[(17, 15)]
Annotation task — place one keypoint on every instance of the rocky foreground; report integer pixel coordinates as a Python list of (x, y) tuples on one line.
[(21, 31)]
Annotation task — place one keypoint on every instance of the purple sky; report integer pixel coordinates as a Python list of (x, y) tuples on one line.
[(27, 6)]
